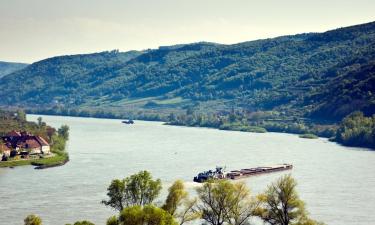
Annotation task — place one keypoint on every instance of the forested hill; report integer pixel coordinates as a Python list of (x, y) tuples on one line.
[(318, 75), (10, 67)]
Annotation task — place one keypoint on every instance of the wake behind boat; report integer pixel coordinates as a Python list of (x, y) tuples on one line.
[(219, 172)]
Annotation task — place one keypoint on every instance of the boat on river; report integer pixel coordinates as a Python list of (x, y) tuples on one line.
[(219, 172), (128, 121)]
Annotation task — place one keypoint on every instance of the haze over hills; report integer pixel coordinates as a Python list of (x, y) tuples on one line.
[(315, 75), (10, 67)]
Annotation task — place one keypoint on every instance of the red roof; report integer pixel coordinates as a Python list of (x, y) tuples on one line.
[(41, 141), (14, 133), (31, 143)]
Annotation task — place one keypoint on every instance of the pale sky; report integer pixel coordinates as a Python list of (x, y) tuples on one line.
[(31, 30)]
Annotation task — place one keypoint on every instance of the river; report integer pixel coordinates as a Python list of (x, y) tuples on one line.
[(337, 183)]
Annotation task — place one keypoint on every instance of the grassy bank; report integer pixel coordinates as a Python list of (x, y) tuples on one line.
[(56, 160), (308, 136)]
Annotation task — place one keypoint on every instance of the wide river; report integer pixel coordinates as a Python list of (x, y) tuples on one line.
[(337, 183)]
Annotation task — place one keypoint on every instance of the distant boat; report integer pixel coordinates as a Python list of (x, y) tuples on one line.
[(128, 121)]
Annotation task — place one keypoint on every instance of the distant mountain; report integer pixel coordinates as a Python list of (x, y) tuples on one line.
[(314, 75), (10, 67)]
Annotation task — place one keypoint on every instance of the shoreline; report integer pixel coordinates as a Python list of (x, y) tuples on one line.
[(42, 163), (165, 122)]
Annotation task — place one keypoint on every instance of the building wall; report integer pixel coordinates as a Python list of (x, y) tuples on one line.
[(46, 149), (35, 151)]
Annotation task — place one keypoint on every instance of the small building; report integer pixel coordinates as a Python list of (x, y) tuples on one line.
[(45, 147)]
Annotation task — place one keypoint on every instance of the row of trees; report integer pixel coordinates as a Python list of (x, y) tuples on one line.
[(218, 202), (357, 130), (259, 121)]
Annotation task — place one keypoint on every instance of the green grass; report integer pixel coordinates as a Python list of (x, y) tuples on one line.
[(57, 159), (242, 127), (308, 136)]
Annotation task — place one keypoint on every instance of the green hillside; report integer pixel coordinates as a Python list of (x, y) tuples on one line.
[(310, 77)]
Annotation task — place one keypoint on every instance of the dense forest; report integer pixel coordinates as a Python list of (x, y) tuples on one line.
[(304, 83)]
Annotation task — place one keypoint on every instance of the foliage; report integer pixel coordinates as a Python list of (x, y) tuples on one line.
[(146, 215), (220, 202), (281, 205), (16, 120), (84, 222), (179, 205), (308, 136), (33, 220), (223, 202), (176, 194), (63, 131), (138, 189), (321, 76), (112, 221), (357, 130)]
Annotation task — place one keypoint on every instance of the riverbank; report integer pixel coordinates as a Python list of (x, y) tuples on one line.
[(304, 127), (58, 159)]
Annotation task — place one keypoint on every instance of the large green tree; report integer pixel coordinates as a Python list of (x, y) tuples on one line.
[(146, 215), (222, 202), (138, 189), (281, 205)]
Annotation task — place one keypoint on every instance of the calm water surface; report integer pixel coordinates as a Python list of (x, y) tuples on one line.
[(337, 183)]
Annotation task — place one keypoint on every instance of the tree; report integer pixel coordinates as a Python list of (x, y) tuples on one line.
[(175, 197), (50, 132), (179, 205), (40, 122), (147, 215), (33, 220), (117, 195), (63, 131), (112, 221), (188, 212), (357, 130), (138, 189), (223, 202), (242, 206), (142, 188), (21, 115), (281, 205)]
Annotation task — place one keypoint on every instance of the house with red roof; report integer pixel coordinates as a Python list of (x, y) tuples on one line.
[(24, 143)]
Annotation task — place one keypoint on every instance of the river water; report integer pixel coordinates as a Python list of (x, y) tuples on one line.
[(337, 183)]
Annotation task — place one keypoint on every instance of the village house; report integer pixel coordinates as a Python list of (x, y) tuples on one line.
[(23, 143)]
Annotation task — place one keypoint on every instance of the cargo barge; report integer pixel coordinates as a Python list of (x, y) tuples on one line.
[(220, 173)]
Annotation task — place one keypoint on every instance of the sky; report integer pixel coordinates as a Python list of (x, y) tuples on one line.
[(31, 30)]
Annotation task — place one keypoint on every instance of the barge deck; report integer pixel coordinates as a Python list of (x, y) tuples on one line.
[(219, 173)]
